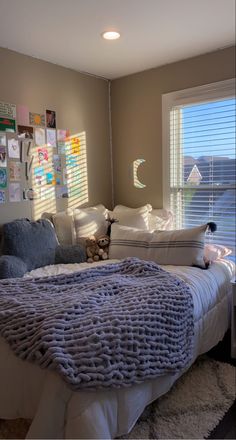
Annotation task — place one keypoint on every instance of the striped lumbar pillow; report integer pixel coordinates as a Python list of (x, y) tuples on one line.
[(184, 247)]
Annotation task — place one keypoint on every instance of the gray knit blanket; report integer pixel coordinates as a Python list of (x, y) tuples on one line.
[(109, 326)]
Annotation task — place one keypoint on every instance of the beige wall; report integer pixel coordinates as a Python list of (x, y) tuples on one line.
[(137, 120), (81, 104)]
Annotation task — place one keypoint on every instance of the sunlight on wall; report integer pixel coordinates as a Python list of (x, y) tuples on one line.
[(76, 170), (136, 164), (41, 181), (59, 174)]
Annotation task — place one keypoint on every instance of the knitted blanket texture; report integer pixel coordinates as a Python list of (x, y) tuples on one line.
[(108, 326)]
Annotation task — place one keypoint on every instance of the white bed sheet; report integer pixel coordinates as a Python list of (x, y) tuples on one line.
[(57, 412)]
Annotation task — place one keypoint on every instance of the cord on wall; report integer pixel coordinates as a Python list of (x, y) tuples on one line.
[(110, 143)]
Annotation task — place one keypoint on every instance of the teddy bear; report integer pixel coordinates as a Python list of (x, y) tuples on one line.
[(103, 243), (92, 250)]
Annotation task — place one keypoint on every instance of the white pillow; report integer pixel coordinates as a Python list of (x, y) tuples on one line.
[(132, 217), (64, 226), (90, 221), (183, 247), (122, 208), (160, 219), (213, 252)]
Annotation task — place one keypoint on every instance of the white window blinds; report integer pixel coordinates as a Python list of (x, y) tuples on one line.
[(202, 166)]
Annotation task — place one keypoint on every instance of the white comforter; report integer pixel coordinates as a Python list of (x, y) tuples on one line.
[(57, 412)]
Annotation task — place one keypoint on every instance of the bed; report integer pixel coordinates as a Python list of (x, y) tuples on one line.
[(56, 411)]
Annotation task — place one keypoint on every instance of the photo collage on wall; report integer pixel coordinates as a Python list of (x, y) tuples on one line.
[(36, 157)]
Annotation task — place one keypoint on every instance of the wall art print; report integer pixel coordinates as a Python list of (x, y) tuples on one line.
[(51, 138), (37, 119), (14, 192), (14, 171), (3, 178), (43, 155), (7, 124), (51, 118), (8, 110), (13, 148), (3, 156), (24, 131), (2, 196), (62, 135), (39, 135), (75, 145), (3, 139)]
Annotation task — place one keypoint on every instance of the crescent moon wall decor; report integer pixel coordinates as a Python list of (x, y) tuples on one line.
[(136, 164)]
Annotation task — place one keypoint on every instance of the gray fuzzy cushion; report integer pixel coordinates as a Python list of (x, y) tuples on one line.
[(70, 254), (32, 241), (12, 267)]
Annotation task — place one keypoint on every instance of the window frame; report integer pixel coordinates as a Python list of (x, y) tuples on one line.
[(209, 92)]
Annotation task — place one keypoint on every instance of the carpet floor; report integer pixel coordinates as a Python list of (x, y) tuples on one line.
[(191, 409)]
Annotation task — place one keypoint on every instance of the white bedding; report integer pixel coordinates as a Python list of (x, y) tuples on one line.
[(57, 412)]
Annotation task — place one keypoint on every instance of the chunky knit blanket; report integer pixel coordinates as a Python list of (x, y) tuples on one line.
[(109, 326)]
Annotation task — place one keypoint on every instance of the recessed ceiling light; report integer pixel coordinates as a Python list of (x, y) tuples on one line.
[(111, 35)]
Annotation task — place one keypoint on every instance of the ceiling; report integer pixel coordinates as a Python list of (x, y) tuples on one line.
[(153, 32)]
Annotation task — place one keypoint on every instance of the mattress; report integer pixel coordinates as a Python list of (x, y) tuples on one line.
[(57, 412)]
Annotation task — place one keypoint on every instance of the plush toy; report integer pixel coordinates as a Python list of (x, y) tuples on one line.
[(92, 250), (103, 243)]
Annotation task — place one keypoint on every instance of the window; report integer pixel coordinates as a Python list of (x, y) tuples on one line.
[(199, 158)]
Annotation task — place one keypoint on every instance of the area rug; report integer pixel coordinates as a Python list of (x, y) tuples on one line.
[(191, 409)]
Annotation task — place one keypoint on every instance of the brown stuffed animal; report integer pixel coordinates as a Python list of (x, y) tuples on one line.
[(92, 250), (103, 243)]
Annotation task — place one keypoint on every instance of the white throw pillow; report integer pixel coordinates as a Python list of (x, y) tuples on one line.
[(183, 247), (90, 221), (122, 208), (213, 252), (160, 219), (132, 217), (64, 227)]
